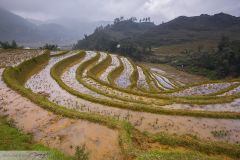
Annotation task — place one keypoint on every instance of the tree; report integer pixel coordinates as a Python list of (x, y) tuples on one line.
[(121, 18), (98, 29), (200, 48), (223, 43), (85, 36), (14, 44), (133, 19), (116, 20), (149, 19), (7, 45)]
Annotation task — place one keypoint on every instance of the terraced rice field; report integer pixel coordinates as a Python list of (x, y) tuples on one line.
[(140, 112)]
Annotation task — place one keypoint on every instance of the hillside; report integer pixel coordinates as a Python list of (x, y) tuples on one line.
[(187, 29), (107, 38), (189, 43), (179, 30)]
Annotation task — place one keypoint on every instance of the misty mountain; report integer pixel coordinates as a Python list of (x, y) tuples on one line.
[(34, 21), (79, 27), (179, 30), (14, 27), (35, 33)]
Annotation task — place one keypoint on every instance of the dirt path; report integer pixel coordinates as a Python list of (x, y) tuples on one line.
[(56, 131)]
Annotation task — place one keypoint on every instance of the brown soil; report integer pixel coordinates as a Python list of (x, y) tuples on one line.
[(56, 131), (11, 57)]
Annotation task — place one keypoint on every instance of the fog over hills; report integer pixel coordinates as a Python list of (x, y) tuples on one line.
[(35, 33), (66, 31), (79, 27)]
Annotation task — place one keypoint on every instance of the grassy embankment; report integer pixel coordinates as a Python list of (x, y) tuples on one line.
[(201, 100), (60, 54), (58, 69)]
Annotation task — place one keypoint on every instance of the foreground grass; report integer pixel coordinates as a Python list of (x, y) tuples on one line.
[(128, 136), (13, 139)]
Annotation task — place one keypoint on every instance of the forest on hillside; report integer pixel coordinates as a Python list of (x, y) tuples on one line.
[(138, 38)]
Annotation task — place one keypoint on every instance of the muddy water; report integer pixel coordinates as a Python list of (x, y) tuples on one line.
[(175, 74), (102, 57), (115, 63), (69, 78), (110, 91), (123, 80), (152, 83), (142, 83), (56, 131), (203, 89), (165, 81), (161, 82), (143, 121), (227, 107), (202, 127), (89, 55), (158, 70), (232, 92)]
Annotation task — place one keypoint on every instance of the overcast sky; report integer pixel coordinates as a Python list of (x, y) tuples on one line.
[(95, 10)]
